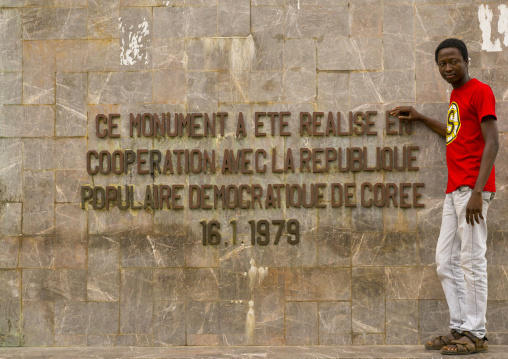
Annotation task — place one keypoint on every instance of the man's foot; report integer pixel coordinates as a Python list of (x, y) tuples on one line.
[(443, 340), (468, 344)]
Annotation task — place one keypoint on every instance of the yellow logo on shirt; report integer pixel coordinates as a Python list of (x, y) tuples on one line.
[(453, 123)]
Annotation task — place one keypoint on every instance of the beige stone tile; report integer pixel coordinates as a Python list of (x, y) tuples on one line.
[(38, 72)]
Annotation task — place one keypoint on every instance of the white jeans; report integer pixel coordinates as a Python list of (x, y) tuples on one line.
[(461, 262)]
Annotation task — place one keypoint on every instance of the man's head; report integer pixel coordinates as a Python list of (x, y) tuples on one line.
[(452, 60)]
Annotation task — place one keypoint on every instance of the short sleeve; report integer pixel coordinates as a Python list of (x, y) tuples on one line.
[(484, 102)]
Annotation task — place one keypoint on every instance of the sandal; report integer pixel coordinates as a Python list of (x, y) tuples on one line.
[(443, 340), (468, 344)]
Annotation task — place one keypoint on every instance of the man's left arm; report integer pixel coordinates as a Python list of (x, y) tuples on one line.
[(490, 134)]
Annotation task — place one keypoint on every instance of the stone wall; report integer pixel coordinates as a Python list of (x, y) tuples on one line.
[(359, 275)]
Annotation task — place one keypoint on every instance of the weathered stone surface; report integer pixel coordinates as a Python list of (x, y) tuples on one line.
[(26, 121), (117, 222), (434, 316), (401, 322), (152, 251), (428, 230), (70, 104), (334, 247), (10, 93), (10, 307), (413, 283), (135, 25), (10, 219), (186, 284), (68, 184), (495, 215), (38, 323), (319, 284), (9, 249), (88, 55), (368, 339), (498, 282), (138, 340), (398, 37), (101, 20), (350, 54), (119, 87), (384, 249), (496, 316), (267, 28), (366, 18), (379, 87), (100, 340), (300, 85), (202, 323), (103, 282), (169, 323), (301, 323), (497, 246), (70, 340), (184, 21), (168, 53), (86, 318), (169, 86), (54, 284), (70, 236), (266, 86), (202, 91), (235, 320), (234, 17), (54, 23), (38, 72), (11, 54), (38, 213), (315, 21), (36, 252), (430, 87), (11, 153), (334, 323), (136, 307), (368, 294)]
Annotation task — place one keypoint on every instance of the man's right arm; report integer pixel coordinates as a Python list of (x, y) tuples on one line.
[(408, 113)]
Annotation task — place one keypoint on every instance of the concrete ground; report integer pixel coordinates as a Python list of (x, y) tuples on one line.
[(328, 352)]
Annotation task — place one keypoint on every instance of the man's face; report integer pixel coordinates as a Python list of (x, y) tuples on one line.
[(451, 65)]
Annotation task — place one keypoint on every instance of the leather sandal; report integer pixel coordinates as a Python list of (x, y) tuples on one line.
[(438, 342), (468, 344)]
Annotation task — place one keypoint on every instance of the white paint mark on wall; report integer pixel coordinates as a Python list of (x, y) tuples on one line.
[(485, 16), (134, 50), (502, 24), (250, 324), (256, 274)]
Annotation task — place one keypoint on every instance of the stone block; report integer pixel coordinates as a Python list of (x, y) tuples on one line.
[(334, 247), (169, 323), (39, 154), (138, 340), (37, 252), (10, 307), (319, 284), (102, 19), (497, 316), (234, 87), (38, 72), (135, 25), (100, 340), (9, 249), (368, 295), (316, 21), (186, 284), (429, 226), (333, 92), (119, 87), (71, 104), (136, 307), (10, 93), (433, 21), (152, 251), (266, 86), (350, 54), (267, 28), (68, 184), (202, 91), (233, 285), (334, 323), (498, 282), (497, 247), (169, 86), (234, 17), (366, 18), (236, 323), (168, 53), (54, 23), (38, 323), (496, 218), (38, 211), (430, 87), (27, 121), (435, 179), (301, 323), (402, 322), (233, 54), (384, 249), (10, 219), (11, 154), (300, 54), (70, 340), (413, 283), (54, 285), (11, 54), (368, 339), (434, 316), (70, 236), (398, 37), (88, 55), (300, 86), (184, 21), (380, 87), (86, 318), (202, 323), (103, 282), (116, 222)]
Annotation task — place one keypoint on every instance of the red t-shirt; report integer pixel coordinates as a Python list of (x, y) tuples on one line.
[(469, 104)]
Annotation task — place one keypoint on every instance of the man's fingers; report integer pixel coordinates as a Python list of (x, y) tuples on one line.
[(476, 218), (467, 216), (481, 215)]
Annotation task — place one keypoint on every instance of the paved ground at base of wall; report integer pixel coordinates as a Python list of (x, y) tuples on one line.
[(322, 352)]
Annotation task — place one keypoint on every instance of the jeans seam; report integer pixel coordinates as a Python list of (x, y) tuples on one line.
[(453, 274), (474, 281)]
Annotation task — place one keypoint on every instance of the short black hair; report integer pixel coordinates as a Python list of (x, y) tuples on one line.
[(459, 44)]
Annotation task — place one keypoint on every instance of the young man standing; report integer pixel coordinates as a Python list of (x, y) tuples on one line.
[(472, 142)]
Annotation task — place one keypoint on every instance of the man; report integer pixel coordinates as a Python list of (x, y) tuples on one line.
[(472, 142)]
